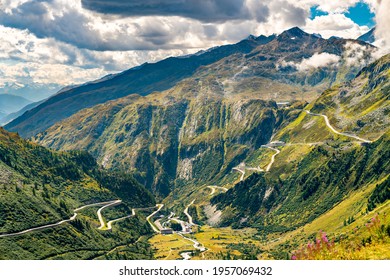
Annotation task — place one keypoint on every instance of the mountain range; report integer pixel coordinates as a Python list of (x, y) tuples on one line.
[(11, 103), (205, 124), (273, 138), (260, 57)]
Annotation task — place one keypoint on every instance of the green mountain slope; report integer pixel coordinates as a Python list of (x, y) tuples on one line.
[(319, 176), (361, 106), (321, 180), (207, 124), (172, 137), (40, 187), (267, 67)]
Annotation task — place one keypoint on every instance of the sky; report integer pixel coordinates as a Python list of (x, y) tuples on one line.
[(48, 44)]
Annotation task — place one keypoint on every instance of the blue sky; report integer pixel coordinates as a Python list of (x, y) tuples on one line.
[(361, 14), (49, 44)]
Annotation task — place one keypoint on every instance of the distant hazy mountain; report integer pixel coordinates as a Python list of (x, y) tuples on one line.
[(11, 103), (6, 118), (34, 91), (368, 37)]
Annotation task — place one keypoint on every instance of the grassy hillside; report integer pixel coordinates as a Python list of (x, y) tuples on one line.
[(323, 181), (361, 106), (40, 187)]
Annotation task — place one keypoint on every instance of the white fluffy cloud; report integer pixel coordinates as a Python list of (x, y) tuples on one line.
[(356, 54), (316, 61), (382, 31), (46, 74), (335, 25), (319, 60)]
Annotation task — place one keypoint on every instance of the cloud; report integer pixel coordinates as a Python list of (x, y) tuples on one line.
[(316, 61), (335, 25), (67, 22), (206, 11), (48, 73), (336, 6), (319, 60), (93, 37), (357, 55), (382, 31)]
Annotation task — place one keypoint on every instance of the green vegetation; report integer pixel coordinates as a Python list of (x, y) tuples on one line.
[(374, 236), (40, 187), (380, 194), (323, 178), (185, 132)]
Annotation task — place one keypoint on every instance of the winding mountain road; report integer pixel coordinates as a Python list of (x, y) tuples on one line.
[(109, 224), (155, 229), (100, 217), (337, 132), (241, 171), (213, 188), (59, 223), (257, 169), (190, 220), (268, 168)]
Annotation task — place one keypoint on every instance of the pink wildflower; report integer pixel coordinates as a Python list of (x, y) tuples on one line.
[(324, 238)]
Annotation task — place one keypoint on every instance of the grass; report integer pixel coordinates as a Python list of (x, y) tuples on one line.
[(349, 236), (306, 129), (169, 247), (217, 240)]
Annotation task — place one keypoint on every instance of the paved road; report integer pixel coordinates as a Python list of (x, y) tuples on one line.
[(337, 132), (268, 168), (99, 213), (59, 223), (242, 172), (257, 169), (109, 224), (213, 188), (151, 215), (190, 220)]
